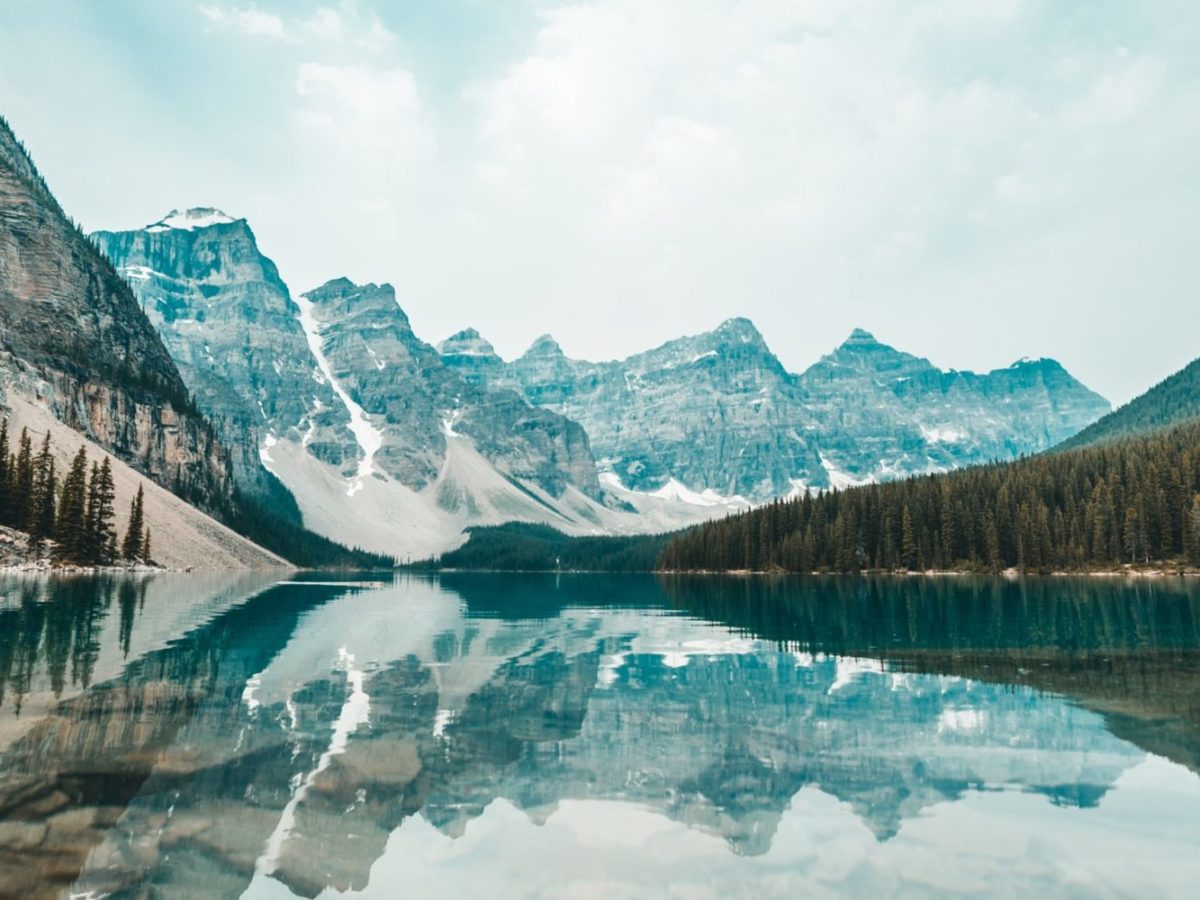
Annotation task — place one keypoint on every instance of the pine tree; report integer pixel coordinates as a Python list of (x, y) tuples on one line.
[(5, 473), (908, 541), (145, 554), (42, 496), (1192, 528), (72, 509), (131, 547), (100, 514), (22, 483)]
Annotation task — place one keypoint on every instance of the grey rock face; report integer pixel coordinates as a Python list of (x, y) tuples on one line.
[(237, 334), (419, 402), (880, 412), (232, 327), (73, 338), (718, 411)]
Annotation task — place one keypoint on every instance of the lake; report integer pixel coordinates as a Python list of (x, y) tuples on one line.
[(495, 736)]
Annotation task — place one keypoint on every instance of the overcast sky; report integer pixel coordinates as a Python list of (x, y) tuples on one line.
[(972, 181)]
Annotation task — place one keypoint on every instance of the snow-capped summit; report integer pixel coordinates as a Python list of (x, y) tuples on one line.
[(187, 220)]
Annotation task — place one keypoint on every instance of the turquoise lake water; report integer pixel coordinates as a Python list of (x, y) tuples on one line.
[(592, 736)]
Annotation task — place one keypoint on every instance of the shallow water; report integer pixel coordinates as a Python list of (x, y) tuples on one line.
[(590, 736)]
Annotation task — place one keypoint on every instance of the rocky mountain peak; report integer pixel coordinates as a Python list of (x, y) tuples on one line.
[(1042, 362), (544, 346), (192, 219), (738, 330), (359, 298), (866, 355), (860, 337), (467, 342)]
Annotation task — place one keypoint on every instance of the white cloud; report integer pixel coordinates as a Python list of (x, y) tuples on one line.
[(364, 110), (889, 163), (249, 21), (347, 23)]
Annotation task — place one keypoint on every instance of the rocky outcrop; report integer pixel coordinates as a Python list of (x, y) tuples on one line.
[(74, 340)]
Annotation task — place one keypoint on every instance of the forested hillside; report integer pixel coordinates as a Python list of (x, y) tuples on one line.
[(1170, 402), (1135, 501), (524, 547)]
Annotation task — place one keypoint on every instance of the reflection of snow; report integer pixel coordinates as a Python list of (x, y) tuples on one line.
[(965, 720), (443, 718), (849, 668), (355, 712), (253, 683)]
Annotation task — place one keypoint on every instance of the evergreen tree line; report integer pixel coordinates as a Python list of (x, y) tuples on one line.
[(1130, 502), (75, 512), (530, 547)]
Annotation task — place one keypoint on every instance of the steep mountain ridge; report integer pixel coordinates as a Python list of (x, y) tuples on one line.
[(718, 411), (881, 413), (417, 403), (73, 340), (1173, 401), (230, 324), (76, 344)]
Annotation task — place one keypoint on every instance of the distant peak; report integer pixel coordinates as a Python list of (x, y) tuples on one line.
[(739, 324), (191, 219), (1040, 362), (738, 330), (859, 336), (339, 285), (544, 346), (358, 297), (467, 342)]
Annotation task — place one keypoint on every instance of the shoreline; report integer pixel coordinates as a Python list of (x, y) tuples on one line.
[(1160, 572)]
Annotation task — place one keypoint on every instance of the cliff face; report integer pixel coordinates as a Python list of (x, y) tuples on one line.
[(418, 403), (880, 412), (73, 338), (232, 327)]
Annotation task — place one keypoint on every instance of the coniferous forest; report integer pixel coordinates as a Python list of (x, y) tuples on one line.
[(1130, 502), (527, 547), (69, 519)]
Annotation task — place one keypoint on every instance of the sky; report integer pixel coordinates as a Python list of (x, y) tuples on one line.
[(972, 182)]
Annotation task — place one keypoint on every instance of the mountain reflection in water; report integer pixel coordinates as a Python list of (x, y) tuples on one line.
[(533, 735)]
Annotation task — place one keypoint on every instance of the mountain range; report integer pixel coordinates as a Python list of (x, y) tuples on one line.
[(719, 412), (394, 445)]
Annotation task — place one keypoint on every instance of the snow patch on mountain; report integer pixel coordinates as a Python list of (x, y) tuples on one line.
[(943, 435), (191, 219), (389, 517), (368, 437), (675, 491), (838, 479)]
